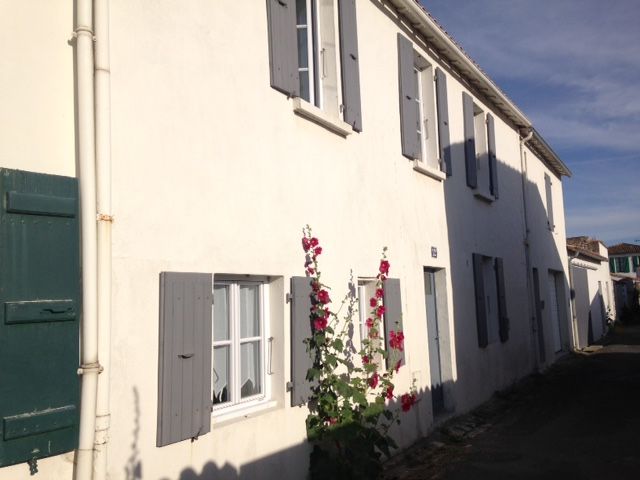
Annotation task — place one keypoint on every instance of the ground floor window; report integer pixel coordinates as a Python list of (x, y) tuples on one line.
[(239, 332)]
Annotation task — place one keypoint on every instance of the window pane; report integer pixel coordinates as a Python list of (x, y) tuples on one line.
[(304, 86), (221, 376), (249, 311), (220, 312), (303, 49), (250, 369), (301, 12)]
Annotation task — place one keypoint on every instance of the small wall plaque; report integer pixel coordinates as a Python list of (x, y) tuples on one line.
[(434, 252)]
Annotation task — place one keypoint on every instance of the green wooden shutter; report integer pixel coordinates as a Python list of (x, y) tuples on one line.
[(39, 315)]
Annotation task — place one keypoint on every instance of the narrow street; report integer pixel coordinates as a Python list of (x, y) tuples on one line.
[(578, 420)]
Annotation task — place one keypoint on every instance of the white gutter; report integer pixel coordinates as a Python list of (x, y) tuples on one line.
[(89, 368), (103, 187)]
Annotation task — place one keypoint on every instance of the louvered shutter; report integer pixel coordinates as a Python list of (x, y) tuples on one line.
[(350, 63), (39, 315), (185, 370), (392, 302), (502, 300), (301, 360), (283, 46), (469, 141), (409, 111), (549, 195), (493, 161), (481, 310), (442, 106)]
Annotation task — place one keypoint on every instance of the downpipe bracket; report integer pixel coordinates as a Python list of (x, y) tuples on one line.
[(90, 368)]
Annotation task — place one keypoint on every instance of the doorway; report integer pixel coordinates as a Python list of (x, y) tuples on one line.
[(434, 345)]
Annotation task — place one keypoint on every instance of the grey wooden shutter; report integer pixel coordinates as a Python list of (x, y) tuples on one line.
[(409, 111), (469, 141), (184, 377), (442, 106), (481, 311), (493, 161), (547, 188), (301, 360), (350, 63), (392, 302), (283, 46), (502, 301)]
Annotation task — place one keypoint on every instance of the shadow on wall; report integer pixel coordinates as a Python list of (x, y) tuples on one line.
[(415, 424), (133, 468), (540, 317)]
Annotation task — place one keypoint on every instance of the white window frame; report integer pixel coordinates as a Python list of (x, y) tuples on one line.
[(427, 122), (236, 402), (366, 290)]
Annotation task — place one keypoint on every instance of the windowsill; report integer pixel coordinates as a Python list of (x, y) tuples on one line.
[(317, 115), (240, 412), (439, 175), (485, 197)]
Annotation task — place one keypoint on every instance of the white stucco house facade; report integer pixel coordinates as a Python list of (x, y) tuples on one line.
[(188, 153), (593, 299)]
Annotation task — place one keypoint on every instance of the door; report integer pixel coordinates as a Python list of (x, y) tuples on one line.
[(554, 312), (603, 310), (435, 365)]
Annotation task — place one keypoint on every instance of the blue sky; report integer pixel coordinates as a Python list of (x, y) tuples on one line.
[(573, 67)]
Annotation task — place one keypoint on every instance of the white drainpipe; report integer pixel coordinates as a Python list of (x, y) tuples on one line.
[(89, 368), (574, 311), (103, 191)]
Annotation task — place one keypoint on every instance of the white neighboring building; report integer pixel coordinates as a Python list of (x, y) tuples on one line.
[(593, 300), (212, 133)]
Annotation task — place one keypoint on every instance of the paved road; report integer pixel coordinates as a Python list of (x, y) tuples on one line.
[(579, 420)]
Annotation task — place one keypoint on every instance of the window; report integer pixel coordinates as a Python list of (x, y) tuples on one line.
[(366, 290), (636, 262), (314, 59), (423, 110), (239, 332), (480, 150), (622, 264)]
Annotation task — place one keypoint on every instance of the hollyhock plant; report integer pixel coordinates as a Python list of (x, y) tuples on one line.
[(350, 408)]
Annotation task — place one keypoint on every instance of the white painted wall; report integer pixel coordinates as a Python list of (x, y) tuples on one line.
[(213, 172)]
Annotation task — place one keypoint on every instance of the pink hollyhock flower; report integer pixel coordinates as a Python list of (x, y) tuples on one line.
[(373, 302), (369, 323), (317, 250), (384, 267), (365, 359), (306, 244), (396, 340), (313, 242), (389, 392), (380, 310), (373, 381), (323, 297), (310, 270), (379, 292)]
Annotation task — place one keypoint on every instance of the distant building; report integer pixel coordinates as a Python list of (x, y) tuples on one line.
[(624, 259), (593, 300)]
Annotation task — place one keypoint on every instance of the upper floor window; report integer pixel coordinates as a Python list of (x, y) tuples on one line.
[(622, 265), (549, 199), (238, 342), (423, 110), (480, 149), (315, 58)]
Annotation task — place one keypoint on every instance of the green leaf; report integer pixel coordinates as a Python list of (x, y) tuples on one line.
[(338, 345)]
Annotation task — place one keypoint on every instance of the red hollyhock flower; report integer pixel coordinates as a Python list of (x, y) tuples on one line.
[(389, 392), (315, 286), (318, 250), (396, 340), (323, 297), (373, 381), (365, 359), (310, 270), (369, 323), (384, 267), (373, 302), (380, 310), (379, 293), (313, 242), (398, 365), (306, 244), (320, 323), (407, 401)]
